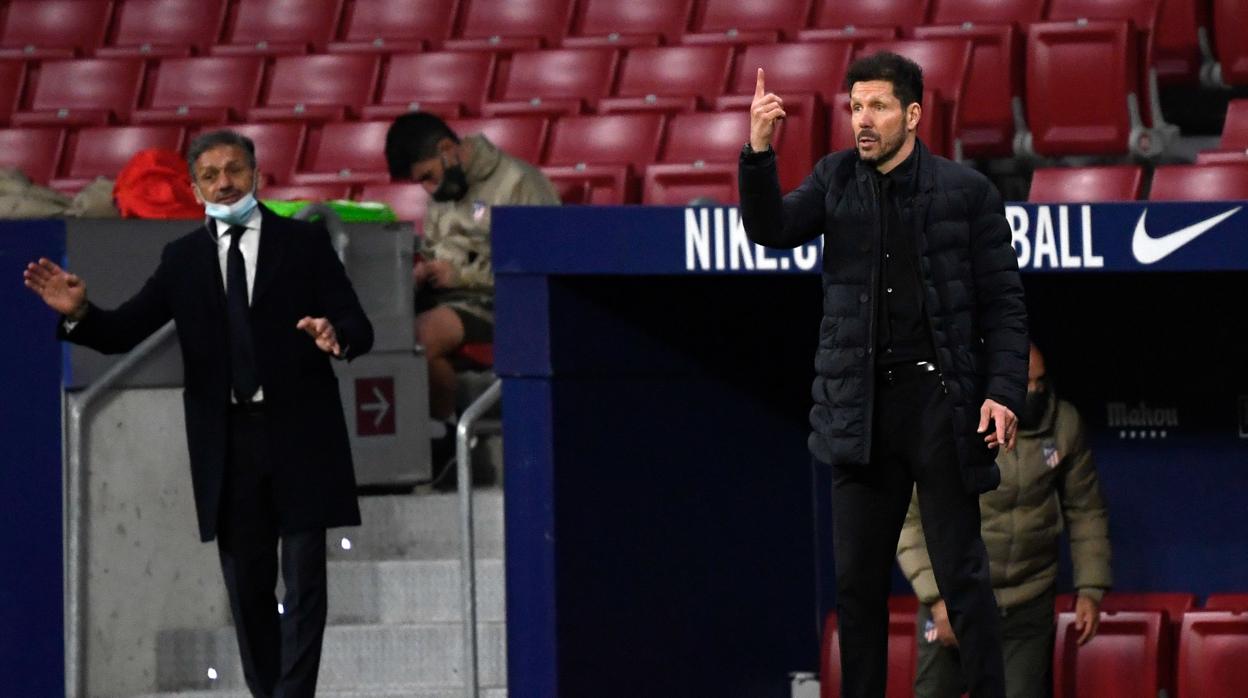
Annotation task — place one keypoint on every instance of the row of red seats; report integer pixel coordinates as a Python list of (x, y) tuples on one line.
[(1133, 655), (54, 28), (1200, 182)]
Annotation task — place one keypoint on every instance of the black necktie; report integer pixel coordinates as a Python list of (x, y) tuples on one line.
[(242, 354)]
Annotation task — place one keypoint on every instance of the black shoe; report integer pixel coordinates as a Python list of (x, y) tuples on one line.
[(445, 474)]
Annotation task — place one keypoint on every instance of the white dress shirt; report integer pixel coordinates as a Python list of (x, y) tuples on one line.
[(249, 245)]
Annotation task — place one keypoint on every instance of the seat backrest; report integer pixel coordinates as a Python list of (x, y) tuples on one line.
[(1230, 41), (1126, 658), (1142, 13), (830, 658), (609, 139), (1213, 182), (835, 14), (283, 21), (88, 83), (546, 19), (207, 81), (279, 146), (522, 137), (195, 23), (675, 71), (1062, 185), (1019, 12), (12, 78), (36, 152), (427, 20), (103, 151), (346, 79), (815, 67), (358, 146), (73, 25), (585, 73), (666, 18), (408, 201), (451, 76), (902, 654), (1227, 602), (705, 137), (1235, 128), (783, 16), (1213, 646), (1175, 603)]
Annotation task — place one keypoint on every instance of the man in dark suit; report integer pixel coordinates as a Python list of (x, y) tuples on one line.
[(260, 303)]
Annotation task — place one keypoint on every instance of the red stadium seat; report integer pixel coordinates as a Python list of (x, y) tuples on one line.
[(1176, 48), (815, 67), (1215, 157), (1125, 659), (1213, 655), (324, 87), (903, 653), (1069, 185), (833, 17), (449, 84), (393, 26), (305, 192), (205, 90), (554, 82), (1143, 13), (804, 135), (931, 125), (670, 79), (1020, 12), (279, 27), (1226, 602), (52, 28), (103, 151), (903, 603), (278, 147), (164, 28), (635, 23), (598, 159), (945, 64), (407, 200), (1108, 120), (12, 77), (699, 159), (1230, 40), (34, 151), (994, 81), (1235, 128), (345, 153), (1214, 182), (737, 22), (85, 91), (1173, 604), (512, 25), (830, 658), (1063, 602), (521, 137)]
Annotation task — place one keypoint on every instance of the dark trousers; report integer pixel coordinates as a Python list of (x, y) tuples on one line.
[(281, 653), (912, 445)]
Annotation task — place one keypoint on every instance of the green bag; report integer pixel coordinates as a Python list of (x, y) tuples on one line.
[(348, 211)]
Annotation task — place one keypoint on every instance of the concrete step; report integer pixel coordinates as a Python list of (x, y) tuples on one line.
[(359, 658), (420, 526), (410, 591), (395, 692)]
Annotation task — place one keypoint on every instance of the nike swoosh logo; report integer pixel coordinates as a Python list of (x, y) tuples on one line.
[(1148, 249)]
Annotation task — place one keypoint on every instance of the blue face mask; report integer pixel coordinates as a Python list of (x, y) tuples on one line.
[(235, 213)]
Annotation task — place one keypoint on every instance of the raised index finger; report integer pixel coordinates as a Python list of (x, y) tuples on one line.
[(759, 91)]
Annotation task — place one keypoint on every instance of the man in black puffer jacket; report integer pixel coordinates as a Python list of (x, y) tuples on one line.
[(922, 358)]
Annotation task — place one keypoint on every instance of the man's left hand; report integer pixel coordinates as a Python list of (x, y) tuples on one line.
[(1005, 425), (1087, 617), (322, 331)]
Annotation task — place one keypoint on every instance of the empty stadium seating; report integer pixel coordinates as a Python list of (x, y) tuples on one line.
[(450, 84), (305, 192), (279, 27), (1210, 182), (598, 159), (204, 90), (345, 153), (1226, 602), (408, 201), (52, 28), (1230, 18), (699, 159), (671, 79), (1020, 12), (1127, 658), (1176, 46), (1213, 655), (816, 68), (84, 91), (103, 151), (554, 82), (523, 137), (34, 151), (736, 22), (832, 17), (393, 26), (324, 87), (12, 77), (278, 147), (945, 64), (164, 28), (1086, 184), (636, 23), (513, 25)]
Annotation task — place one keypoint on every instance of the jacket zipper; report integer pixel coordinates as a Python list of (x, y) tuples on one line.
[(927, 312), (873, 290)]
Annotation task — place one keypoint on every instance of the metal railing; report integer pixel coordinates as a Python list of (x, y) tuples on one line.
[(470, 424), (76, 508)]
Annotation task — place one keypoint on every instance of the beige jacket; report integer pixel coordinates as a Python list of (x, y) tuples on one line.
[(1047, 483), (459, 231)]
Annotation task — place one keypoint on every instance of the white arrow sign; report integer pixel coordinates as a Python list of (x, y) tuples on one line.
[(381, 407)]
